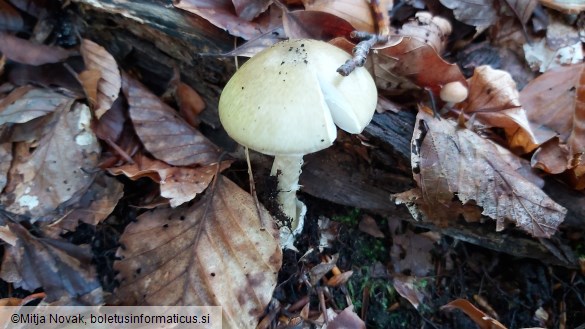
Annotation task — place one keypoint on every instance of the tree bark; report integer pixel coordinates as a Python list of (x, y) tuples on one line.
[(153, 39)]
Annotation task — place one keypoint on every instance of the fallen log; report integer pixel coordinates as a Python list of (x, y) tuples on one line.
[(154, 39)]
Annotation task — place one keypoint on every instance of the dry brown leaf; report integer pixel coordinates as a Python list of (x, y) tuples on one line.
[(355, 12), (48, 76), (250, 9), (26, 52), (412, 252), (233, 262), (368, 225), (450, 161), (222, 14), (483, 320), (63, 270), (27, 103), (58, 167), (407, 287), (494, 101), (179, 184), (164, 134), (303, 24), (97, 58), (111, 125), (555, 105), (346, 319), (565, 6), (190, 103), (480, 14), (96, 204), (10, 19), (89, 80), (523, 9), (411, 59)]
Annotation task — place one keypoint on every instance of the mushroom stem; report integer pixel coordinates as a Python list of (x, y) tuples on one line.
[(288, 170)]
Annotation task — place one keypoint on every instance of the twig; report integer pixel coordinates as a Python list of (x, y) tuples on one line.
[(360, 51)]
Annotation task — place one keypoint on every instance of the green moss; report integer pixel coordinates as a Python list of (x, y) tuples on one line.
[(350, 219)]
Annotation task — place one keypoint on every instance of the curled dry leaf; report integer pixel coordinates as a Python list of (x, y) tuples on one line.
[(411, 59), (179, 184), (483, 320), (555, 105), (96, 204), (58, 167), (368, 225), (480, 14), (494, 101), (248, 10), (449, 161), (408, 288), (356, 12), (221, 250), (523, 9), (303, 24), (27, 103), (27, 52), (164, 134), (222, 14), (432, 30), (97, 58), (63, 270)]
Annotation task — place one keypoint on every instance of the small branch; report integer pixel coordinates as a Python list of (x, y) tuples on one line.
[(360, 51)]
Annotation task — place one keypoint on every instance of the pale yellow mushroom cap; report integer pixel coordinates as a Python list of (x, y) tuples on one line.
[(454, 92), (288, 98)]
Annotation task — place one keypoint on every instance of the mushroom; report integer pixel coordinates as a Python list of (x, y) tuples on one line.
[(286, 100), (454, 92)]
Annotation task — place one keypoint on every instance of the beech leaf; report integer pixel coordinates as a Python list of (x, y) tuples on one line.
[(482, 320), (98, 59), (480, 14), (63, 270), (356, 12), (164, 134), (179, 184), (222, 250), (27, 52), (451, 161), (26, 103), (494, 101), (58, 167)]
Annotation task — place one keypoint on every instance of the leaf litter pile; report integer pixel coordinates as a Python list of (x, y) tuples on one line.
[(111, 194)]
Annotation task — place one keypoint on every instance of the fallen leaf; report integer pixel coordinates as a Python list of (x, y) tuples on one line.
[(368, 225), (53, 170), (407, 287), (164, 134), (190, 103), (523, 9), (26, 103), (94, 206), (542, 58), (27, 52), (449, 161), (480, 14), (494, 101), (565, 6), (222, 14), (179, 184), (346, 319), (10, 19), (410, 59), (555, 105), (426, 28), (47, 75), (248, 10), (218, 251), (356, 12), (303, 24), (482, 320), (111, 125), (412, 252), (98, 59), (63, 270)]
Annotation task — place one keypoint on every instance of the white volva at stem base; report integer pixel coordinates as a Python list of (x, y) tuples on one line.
[(288, 168)]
